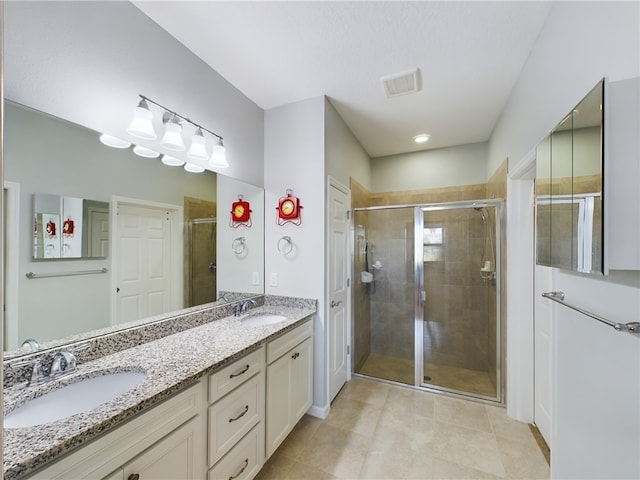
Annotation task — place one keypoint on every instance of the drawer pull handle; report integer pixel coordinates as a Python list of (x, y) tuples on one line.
[(246, 464), (133, 476), (246, 409), (241, 372), (295, 355)]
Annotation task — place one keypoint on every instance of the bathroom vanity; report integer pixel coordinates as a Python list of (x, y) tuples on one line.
[(213, 397)]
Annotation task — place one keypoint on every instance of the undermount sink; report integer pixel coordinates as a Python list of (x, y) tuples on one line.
[(263, 319), (72, 399)]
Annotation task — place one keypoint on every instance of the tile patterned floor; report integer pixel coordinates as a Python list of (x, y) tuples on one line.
[(381, 431)]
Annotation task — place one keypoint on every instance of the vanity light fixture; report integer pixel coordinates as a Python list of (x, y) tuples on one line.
[(421, 138), (171, 161), (145, 152), (141, 125), (115, 142), (172, 138)]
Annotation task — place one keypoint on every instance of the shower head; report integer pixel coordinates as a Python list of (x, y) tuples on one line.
[(481, 210)]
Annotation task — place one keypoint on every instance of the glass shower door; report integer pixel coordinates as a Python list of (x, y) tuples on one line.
[(384, 294), (460, 328)]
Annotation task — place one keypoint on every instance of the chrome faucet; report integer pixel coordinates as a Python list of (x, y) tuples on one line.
[(64, 363), (245, 304), (241, 308)]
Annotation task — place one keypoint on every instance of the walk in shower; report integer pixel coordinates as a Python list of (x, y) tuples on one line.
[(201, 263), (426, 296)]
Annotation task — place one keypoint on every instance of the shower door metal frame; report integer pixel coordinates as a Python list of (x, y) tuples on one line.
[(420, 295)]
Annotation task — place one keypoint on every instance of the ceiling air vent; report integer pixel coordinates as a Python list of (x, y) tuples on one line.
[(402, 83)]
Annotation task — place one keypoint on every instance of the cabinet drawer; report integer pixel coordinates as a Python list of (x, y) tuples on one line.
[(234, 415), (225, 380), (244, 460), (281, 345)]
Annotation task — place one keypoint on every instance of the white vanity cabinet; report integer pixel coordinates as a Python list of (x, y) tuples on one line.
[(289, 383), (236, 418), (167, 442)]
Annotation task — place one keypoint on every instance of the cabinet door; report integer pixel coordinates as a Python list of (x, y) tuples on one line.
[(301, 380), (178, 455), (289, 392), (278, 419)]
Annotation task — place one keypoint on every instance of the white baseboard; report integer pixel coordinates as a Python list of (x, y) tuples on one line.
[(319, 412)]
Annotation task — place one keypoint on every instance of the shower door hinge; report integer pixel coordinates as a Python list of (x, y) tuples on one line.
[(348, 349), (348, 282), (348, 214)]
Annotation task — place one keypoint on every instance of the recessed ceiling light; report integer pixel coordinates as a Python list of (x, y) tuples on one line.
[(422, 138)]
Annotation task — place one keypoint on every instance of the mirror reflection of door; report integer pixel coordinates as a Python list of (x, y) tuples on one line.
[(98, 231), (143, 262)]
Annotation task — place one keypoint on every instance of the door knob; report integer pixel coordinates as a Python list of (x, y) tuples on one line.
[(335, 304)]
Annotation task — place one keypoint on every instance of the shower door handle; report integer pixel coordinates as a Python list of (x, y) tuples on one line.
[(335, 304)]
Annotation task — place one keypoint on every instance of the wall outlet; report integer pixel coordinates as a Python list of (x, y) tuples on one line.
[(255, 278), (273, 279)]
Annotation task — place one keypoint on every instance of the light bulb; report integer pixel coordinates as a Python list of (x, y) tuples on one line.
[(193, 168), (115, 142), (172, 139), (172, 161), (145, 152), (197, 150), (141, 125), (218, 156)]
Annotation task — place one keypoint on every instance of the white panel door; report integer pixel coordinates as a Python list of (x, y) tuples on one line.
[(337, 275), (143, 283), (543, 353)]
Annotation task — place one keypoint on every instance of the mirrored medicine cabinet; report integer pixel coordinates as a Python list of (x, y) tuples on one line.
[(569, 189)]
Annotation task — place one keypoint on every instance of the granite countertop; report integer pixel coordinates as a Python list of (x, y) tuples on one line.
[(171, 364)]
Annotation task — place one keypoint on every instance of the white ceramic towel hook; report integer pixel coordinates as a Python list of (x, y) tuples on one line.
[(285, 245), (239, 245)]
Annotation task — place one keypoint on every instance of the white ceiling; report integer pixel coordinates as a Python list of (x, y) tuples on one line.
[(469, 54)]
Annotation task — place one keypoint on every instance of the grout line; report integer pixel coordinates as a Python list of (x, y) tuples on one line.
[(544, 448)]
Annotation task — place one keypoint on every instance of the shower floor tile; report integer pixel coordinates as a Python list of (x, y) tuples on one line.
[(453, 378)]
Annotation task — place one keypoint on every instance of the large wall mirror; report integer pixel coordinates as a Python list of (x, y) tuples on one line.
[(569, 166), (167, 242)]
